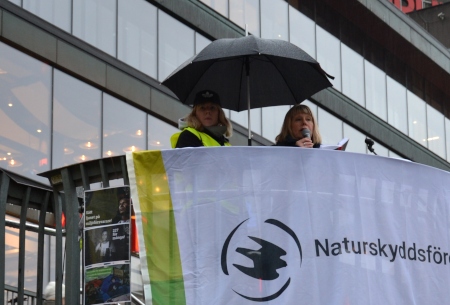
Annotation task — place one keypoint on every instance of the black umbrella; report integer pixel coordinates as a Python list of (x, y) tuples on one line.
[(249, 72)]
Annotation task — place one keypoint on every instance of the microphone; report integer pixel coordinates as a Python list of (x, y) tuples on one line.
[(306, 133), (370, 143)]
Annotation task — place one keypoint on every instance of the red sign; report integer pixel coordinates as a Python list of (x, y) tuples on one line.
[(412, 5)]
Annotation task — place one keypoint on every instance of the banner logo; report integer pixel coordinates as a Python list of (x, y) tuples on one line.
[(266, 260)]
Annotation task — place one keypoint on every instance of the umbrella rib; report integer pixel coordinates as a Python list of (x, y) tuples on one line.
[(284, 79)]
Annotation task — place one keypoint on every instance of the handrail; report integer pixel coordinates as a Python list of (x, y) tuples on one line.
[(32, 227)]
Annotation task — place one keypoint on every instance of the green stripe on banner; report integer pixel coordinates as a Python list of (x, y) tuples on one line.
[(160, 236)]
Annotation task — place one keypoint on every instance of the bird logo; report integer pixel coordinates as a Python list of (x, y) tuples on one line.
[(266, 260)]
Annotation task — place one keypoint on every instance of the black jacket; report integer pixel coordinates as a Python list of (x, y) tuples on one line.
[(290, 141)]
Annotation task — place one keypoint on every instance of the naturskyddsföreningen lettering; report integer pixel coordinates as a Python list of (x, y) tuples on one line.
[(431, 254)]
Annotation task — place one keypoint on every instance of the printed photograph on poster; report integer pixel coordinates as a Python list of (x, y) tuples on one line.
[(107, 206), (107, 244), (107, 284)]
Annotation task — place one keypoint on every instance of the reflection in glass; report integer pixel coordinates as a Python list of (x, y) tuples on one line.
[(76, 121), (329, 55), (159, 133), (137, 35), (176, 44), (94, 21), (124, 127), (330, 127), (352, 75), (375, 81), (57, 12), (246, 12), (356, 141), (417, 124), (12, 257), (200, 42), (220, 6), (25, 97), (436, 131), (302, 32), (396, 98), (274, 19)]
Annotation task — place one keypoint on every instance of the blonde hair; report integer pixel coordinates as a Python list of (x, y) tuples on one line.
[(286, 129), (192, 121)]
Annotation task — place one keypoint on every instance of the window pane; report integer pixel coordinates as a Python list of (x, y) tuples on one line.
[(57, 12), (273, 118), (356, 142), (396, 98), (159, 133), (447, 137), (274, 19), (417, 124), (137, 35), (436, 131), (94, 21), (200, 42), (394, 155), (302, 32), (352, 75), (220, 6), (176, 44), (25, 110), (375, 81), (329, 55), (76, 121), (380, 150), (242, 119), (246, 12), (11, 263), (16, 2), (330, 127), (124, 127)]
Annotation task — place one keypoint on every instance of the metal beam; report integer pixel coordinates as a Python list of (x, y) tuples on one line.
[(4, 186), (72, 295), (22, 250)]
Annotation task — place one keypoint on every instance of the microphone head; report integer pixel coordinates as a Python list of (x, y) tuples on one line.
[(369, 142), (306, 133)]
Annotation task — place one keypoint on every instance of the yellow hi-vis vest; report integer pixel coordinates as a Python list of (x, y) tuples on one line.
[(206, 139)]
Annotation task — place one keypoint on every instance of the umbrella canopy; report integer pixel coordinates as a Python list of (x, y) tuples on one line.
[(249, 72)]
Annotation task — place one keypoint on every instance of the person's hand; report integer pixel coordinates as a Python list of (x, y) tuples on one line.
[(305, 142)]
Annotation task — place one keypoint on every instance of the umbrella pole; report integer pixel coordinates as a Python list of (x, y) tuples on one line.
[(247, 67)]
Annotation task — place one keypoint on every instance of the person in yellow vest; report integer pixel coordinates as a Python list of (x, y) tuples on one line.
[(206, 125)]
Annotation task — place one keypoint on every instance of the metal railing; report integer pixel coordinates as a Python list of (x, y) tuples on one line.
[(11, 296)]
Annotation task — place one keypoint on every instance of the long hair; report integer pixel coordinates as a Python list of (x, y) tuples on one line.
[(286, 129), (192, 121)]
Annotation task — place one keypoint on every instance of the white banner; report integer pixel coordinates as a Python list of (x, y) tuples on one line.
[(290, 226)]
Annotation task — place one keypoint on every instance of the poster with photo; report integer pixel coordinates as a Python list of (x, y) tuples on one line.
[(107, 284), (107, 245), (107, 206)]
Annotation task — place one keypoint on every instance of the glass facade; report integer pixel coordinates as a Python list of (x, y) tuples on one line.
[(149, 40), (50, 119), (25, 113)]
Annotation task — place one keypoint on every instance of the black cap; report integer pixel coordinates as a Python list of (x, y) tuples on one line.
[(206, 96)]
